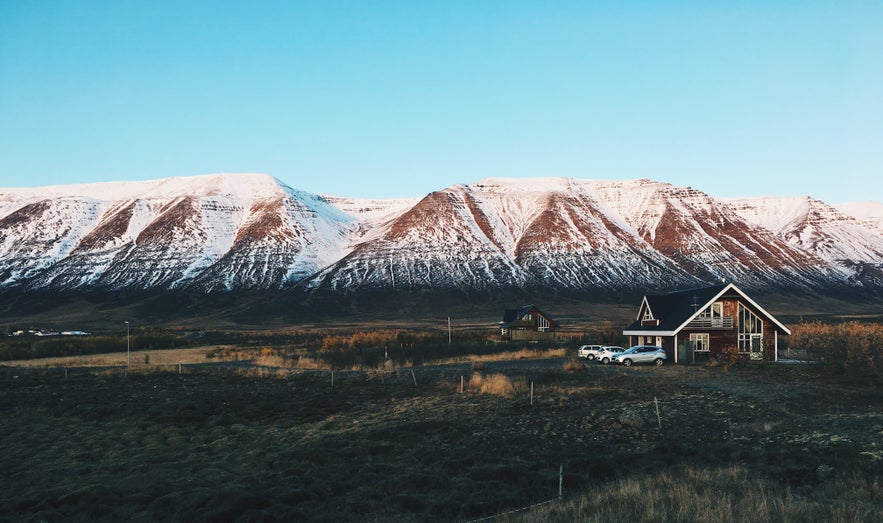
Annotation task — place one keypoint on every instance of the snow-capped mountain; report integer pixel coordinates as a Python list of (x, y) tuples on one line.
[(244, 231), (212, 232), (843, 241), (573, 234)]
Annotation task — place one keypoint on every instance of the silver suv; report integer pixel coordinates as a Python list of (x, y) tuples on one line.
[(589, 352), (641, 354)]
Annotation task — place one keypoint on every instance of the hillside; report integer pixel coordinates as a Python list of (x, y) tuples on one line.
[(581, 239)]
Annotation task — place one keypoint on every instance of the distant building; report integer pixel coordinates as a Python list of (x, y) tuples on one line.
[(699, 324), (527, 323)]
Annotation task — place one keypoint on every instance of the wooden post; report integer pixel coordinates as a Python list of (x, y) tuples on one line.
[(179, 368), (531, 393), (332, 378), (414, 377), (561, 483), (462, 383), (658, 418)]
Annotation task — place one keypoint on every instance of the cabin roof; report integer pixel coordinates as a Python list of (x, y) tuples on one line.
[(510, 316)]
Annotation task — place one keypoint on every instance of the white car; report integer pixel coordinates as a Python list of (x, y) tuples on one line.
[(589, 352), (607, 352), (641, 354)]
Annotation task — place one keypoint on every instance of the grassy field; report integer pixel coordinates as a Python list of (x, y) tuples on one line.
[(441, 443)]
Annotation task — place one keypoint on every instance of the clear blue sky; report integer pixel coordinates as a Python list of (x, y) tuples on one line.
[(402, 98)]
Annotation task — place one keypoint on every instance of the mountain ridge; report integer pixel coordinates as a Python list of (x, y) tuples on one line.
[(229, 232)]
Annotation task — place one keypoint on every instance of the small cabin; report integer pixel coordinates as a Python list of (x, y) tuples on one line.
[(527, 323), (702, 324)]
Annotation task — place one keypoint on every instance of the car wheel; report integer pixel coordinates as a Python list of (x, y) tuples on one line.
[(627, 362), (658, 362), (605, 361), (590, 357)]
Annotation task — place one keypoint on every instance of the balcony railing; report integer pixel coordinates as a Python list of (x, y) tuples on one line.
[(724, 323)]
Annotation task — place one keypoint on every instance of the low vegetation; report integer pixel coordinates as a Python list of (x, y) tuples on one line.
[(757, 442), (391, 424), (852, 347), (712, 494)]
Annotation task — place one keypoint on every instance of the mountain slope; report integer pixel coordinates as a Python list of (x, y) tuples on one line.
[(844, 243), (230, 232), (207, 232)]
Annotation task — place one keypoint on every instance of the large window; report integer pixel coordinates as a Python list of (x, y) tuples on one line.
[(699, 341), (715, 310), (750, 327), (542, 323)]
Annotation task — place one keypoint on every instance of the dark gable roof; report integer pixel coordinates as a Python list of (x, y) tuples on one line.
[(673, 309), (510, 316)]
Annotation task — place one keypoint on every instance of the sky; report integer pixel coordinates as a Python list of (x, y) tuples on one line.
[(398, 99)]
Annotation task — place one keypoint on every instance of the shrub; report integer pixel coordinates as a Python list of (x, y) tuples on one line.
[(497, 384), (730, 357), (574, 365), (853, 346)]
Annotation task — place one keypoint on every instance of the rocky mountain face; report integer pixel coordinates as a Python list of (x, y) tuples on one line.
[(251, 232)]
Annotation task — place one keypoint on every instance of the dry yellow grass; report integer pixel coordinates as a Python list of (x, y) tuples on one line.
[(138, 358), (497, 385), (523, 354), (573, 365), (264, 357)]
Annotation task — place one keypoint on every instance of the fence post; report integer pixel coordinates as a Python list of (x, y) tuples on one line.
[(658, 418), (179, 368), (461, 384), (414, 377), (561, 483), (332, 378), (531, 393)]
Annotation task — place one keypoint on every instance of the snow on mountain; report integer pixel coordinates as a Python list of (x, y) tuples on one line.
[(571, 234), (212, 232), (813, 226), (250, 231), (372, 215), (869, 214)]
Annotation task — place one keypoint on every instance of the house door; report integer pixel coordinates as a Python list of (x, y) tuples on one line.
[(757, 346), (685, 352)]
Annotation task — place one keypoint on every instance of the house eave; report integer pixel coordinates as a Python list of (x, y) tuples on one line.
[(648, 333)]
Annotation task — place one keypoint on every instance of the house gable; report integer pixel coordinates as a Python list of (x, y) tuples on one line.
[(527, 318), (741, 296), (645, 315)]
